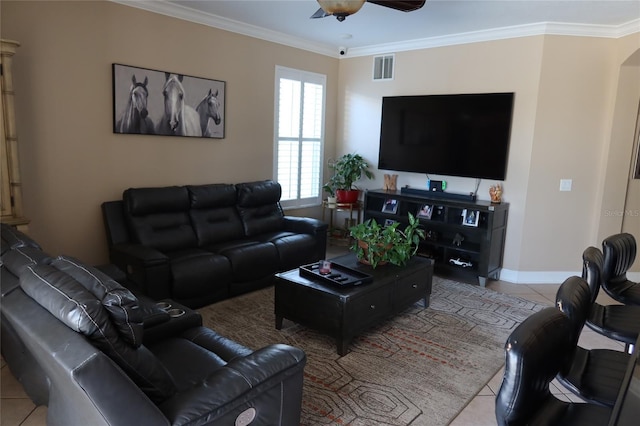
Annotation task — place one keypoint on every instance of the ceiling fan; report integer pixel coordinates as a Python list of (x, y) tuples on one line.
[(343, 8)]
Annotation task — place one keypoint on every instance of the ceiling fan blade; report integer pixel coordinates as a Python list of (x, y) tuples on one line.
[(403, 5), (320, 14)]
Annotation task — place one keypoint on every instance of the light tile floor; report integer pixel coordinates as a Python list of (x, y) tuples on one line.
[(17, 409)]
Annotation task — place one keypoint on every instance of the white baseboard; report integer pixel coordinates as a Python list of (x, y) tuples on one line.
[(547, 277)]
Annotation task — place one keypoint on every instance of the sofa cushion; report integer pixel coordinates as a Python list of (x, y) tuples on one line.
[(259, 207), (12, 238), (67, 300), (251, 260), (159, 217), (196, 272), (213, 213), (19, 258), (294, 249), (173, 352), (119, 302), (212, 195)]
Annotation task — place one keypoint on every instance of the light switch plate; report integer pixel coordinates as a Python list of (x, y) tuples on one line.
[(565, 184)]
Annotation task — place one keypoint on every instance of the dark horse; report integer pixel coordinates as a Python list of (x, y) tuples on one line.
[(135, 118), (209, 108), (179, 119)]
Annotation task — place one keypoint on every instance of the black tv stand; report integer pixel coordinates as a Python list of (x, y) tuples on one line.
[(463, 249), (441, 195)]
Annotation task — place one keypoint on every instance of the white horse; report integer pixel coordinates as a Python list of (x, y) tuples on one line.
[(209, 109), (179, 119), (135, 118)]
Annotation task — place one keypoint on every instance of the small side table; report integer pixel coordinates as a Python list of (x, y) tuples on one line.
[(341, 207)]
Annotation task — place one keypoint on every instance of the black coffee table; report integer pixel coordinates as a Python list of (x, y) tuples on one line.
[(345, 312)]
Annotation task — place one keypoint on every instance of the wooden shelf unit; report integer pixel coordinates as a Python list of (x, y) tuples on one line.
[(11, 211), (481, 245)]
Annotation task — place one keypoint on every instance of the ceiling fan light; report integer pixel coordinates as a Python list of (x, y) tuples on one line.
[(341, 7)]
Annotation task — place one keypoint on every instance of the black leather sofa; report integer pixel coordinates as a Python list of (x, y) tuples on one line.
[(199, 244), (85, 346)]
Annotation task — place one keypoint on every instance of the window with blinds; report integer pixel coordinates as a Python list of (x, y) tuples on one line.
[(299, 136)]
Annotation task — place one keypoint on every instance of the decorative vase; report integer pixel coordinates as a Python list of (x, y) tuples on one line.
[(495, 192), (390, 182), (347, 196)]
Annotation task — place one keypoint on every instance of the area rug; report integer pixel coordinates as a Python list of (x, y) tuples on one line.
[(420, 367)]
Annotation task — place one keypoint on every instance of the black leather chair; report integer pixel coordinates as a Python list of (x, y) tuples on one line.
[(619, 254), (597, 374), (618, 322), (535, 352)]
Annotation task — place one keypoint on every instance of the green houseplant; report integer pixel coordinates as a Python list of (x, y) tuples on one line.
[(377, 245), (347, 170)]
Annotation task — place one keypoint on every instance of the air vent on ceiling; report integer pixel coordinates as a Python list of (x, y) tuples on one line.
[(383, 67)]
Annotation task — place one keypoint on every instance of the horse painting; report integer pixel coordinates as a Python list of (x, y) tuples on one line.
[(179, 119), (209, 109), (135, 118)]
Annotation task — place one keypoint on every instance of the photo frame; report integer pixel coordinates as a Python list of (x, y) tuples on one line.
[(470, 217), (390, 206), (389, 222), (425, 211), (195, 106)]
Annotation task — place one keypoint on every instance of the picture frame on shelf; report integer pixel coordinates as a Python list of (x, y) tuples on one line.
[(470, 217), (389, 222), (390, 206), (425, 211)]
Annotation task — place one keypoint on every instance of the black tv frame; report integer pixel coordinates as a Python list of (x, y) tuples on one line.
[(465, 135)]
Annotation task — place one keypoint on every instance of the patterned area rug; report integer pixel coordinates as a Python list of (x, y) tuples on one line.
[(419, 368)]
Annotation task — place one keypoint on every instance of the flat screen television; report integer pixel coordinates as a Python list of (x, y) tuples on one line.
[(454, 135)]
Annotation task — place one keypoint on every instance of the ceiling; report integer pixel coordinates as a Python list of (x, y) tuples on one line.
[(376, 29)]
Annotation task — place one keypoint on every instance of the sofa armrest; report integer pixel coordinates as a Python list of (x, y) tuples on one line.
[(305, 225), (268, 380), (145, 267), (309, 225)]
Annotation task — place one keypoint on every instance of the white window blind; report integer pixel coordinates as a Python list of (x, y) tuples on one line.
[(299, 138)]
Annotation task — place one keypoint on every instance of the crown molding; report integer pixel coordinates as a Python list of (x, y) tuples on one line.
[(181, 12), (544, 28)]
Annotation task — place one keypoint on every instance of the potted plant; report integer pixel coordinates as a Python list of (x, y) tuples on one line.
[(330, 188), (377, 245), (347, 170)]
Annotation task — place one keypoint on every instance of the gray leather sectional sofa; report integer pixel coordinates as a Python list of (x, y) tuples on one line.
[(95, 354)]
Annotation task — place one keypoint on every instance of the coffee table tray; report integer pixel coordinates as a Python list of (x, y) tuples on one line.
[(340, 275)]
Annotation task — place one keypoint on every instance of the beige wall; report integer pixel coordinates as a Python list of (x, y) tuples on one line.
[(71, 160), (503, 66), (564, 118), (572, 124), (567, 121), (620, 205)]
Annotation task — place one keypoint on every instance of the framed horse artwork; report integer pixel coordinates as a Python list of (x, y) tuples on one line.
[(163, 103)]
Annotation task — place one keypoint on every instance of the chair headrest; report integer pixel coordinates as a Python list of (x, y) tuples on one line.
[(535, 352), (619, 254)]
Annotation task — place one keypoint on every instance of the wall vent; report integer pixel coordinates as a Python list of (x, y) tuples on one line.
[(383, 67)]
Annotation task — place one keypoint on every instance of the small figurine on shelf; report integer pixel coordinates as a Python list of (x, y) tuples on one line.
[(495, 192), (390, 182)]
